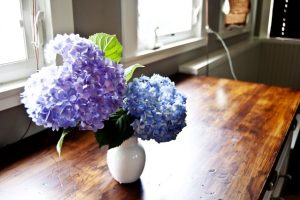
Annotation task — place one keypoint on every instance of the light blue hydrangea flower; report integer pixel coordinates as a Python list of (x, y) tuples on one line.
[(82, 92), (159, 110)]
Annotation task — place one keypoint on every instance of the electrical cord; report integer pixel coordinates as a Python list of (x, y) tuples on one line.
[(35, 17), (209, 30), (26, 131), (207, 58)]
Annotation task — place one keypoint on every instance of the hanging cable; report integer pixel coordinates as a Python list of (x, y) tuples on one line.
[(209, 30), (37, 16), (26, 131), (34, 34), (207, 59), (35, 44)]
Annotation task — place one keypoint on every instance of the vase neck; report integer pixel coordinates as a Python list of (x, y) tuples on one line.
[(130, 141)]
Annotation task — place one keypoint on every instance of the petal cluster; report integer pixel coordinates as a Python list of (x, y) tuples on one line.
[(82, 92), (159, 110)]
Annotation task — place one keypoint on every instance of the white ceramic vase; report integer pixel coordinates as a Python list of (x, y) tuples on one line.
[(126, 162)]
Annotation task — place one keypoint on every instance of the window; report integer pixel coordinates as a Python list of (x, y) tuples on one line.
[(237, 17), (153, 30), (17, 58), (157, 28), (285, 19), (17, 55), (13, 35), (238, 12)]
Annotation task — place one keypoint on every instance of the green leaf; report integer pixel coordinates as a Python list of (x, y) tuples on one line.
[(109, 44), (116, 129), (130, 70), (61, 140)]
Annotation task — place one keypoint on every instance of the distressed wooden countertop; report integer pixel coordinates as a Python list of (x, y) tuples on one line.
[(234, 133)]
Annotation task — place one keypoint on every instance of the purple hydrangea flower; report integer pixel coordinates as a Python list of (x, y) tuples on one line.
[(82, 92), (160, 111)]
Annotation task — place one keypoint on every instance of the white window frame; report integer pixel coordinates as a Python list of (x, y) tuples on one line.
[(266, 19), (226, 32), (266, 23), (58, 19), (129, 38), (21, 69)]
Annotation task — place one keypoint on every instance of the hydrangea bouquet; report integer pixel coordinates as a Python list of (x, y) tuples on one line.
[(91, 91)]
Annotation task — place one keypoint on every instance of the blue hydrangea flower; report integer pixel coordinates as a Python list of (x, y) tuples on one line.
[(82, 92), (159, 110)]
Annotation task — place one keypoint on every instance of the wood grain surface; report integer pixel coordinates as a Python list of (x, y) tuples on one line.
[(234, 133)]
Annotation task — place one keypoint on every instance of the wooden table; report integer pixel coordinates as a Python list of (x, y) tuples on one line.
[(234, 134)]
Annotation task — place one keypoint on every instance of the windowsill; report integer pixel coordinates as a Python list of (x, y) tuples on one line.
[(235, 31), (10, 94), (279, 40), (150, 56), (214, 59)]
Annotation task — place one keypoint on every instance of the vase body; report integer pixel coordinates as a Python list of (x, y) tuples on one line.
[(126, 162)]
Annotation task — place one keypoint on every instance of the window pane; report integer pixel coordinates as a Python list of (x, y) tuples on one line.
[(165, 16), (171, 16), (285, 19), (238, 12), (12, 48)]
